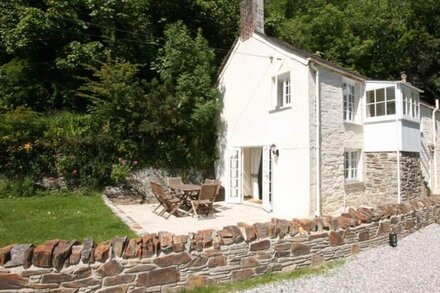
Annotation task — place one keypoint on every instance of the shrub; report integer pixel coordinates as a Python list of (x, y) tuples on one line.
[(121, 170), (17, 188)]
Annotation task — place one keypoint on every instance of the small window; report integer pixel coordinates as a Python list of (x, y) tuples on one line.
[(349, 101), (410, 103), (351, 165), (283, 90)]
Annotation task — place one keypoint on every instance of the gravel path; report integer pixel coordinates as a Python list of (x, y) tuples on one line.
[(413, 266)]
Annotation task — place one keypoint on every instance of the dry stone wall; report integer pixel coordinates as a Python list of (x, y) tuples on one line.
[(412, 183), (380, 178), (165, 262)]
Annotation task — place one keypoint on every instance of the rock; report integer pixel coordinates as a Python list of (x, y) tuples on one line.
[(317, 235), (75, 255), (110, 268), (56, 278), (300, 249), (82, 272), (364, 235), (198, 262), (355, 248), (226, 237), (61, 253), (197, 281), (336, 238), (260, 230), (166, 241), (43, 254), (316, 260), (384, 228), (141, 268), (217, 261), (261, 245), (116, 289), (285, 246), (20, 255), (242, 275), (173, 259), (282, 227), (83, 283), (236, 234), (118, 245), (133, 248), (158, 277), (117, 280), (206, 236), (102, 251), (87, 251), (249, 262), (179, 243), (11, 281), (35, 272), (409, 224)]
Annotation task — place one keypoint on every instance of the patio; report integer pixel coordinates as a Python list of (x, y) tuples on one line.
[(142, 220)]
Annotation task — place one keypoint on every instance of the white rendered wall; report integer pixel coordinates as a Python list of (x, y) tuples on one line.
[(410, 136), (248, 120), (381, 136)]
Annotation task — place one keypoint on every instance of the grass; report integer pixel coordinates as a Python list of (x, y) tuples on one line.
[(268, 278), (62, 216)]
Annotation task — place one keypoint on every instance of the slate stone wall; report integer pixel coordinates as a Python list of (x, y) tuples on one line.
[(165, 262), (412, 183)]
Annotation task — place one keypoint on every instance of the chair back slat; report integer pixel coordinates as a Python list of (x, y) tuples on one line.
[(216, 182), (208, 192)]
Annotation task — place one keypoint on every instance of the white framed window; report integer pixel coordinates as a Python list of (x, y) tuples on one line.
[(410, 103), (283, 90), (381, 102), (348, 92), (351, 165)]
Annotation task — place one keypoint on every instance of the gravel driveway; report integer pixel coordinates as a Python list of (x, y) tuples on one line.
[(413, 266)]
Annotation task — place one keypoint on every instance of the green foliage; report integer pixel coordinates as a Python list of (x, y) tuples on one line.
[(18, 188), (121, 170)]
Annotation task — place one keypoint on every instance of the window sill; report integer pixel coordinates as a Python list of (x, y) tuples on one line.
[(352, 123), (353, 182), (280, 109)]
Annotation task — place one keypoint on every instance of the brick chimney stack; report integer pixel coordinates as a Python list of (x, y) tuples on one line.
[(252, 18)]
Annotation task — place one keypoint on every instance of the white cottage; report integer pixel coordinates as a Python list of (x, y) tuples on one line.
[(301, 136)]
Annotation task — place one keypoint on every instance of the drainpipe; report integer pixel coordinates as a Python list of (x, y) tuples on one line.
[(399, 142), (317, 140), (434, 141)]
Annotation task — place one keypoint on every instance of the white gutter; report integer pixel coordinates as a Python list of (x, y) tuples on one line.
[(434, 141), (317, 139), (398, 89)]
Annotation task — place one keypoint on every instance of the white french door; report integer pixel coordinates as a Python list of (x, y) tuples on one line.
[(235, 176), (267, 178)]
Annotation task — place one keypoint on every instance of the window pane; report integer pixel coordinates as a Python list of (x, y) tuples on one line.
[(371, 110), (280, 92), (380, 109), (391, 95), (370, 97), (391, 108), (380, 95)]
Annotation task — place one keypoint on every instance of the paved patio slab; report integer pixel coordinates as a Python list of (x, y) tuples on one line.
[(142, 219)]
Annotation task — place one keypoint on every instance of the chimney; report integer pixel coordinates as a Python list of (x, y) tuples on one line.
[(403, 76), (252, 18)]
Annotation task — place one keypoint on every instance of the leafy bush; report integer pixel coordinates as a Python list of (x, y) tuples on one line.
[(121, 170), (17, 188)]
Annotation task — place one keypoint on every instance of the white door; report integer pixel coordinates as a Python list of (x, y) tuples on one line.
[(235, 173), (267, 179)]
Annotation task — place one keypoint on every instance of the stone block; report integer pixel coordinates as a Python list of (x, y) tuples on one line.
[(316, 260), (261, 245), (118, 245), (89, 282), (363, 235), (102, 251), (35, 272), (179, 243), (5, 254), (300, 249), (116, 289), (75, 255), (283, 246), (226, 237), (42, 287), (20, 255), (158, 277), (242, 275), (166, 241), (61, 253), (336, 238), (133, 249), (198, 281), (260, 230), (236, 234), (119, 279), (141, 268), (410, 224), (317, 235), (173, 259), (249, 262), (56, 278), (43, 254), (11, 282), (384, 228), (217, 261), (355, 248), (281, 227), (87, 251), (198, 262), (110, 268), (82, 272)]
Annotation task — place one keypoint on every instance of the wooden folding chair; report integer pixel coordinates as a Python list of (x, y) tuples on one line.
[(206, 199), (216, 182), (169, 202)]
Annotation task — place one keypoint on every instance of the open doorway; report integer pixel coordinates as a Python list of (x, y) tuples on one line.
[(252, 175)]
